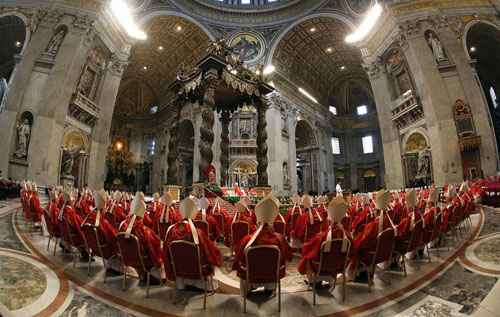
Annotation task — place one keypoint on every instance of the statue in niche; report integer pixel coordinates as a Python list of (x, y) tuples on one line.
[(23, 130), (424, 165), (436, 47), (87, 82), (68, 159), (55, 42), (286, 178)]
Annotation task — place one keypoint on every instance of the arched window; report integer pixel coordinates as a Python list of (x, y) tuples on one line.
[(493, 97)]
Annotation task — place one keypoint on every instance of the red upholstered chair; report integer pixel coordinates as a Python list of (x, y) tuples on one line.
[(110, 217), (239, 229), (260, 272), (203, 226), (382, 253), (220, 222), (96, 245), (331, 264), (52, 230), (161, 229), (72, 239), (279, 227), (132, 254), (187, 263), (414, 242)]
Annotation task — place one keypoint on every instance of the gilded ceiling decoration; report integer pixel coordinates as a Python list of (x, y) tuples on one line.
[(314, 55), (172, 41)]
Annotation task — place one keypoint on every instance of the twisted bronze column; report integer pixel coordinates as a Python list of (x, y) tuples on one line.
[(225, 120), (206, 131), (173, 152), (261, 143)]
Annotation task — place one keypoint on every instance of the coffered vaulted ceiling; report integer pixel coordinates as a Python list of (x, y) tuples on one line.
[(154, 63), (314, 55)]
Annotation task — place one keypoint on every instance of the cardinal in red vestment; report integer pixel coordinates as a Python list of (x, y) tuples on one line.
[(266, 212), (311, 251), (34, 203), (185, 230), (106, 229), (293, 213), (134, 224), (242, 214), (69, 216), (307, 225), (204, 214)]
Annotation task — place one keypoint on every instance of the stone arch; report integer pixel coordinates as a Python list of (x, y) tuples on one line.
[(75, 149), (417, 158), (26, 22), (157, 13), (468, 27), (243, 172), (414, 137), (303, 129), (334, 15)]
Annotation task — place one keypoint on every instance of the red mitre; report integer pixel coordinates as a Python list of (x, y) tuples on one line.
[(209, 170)]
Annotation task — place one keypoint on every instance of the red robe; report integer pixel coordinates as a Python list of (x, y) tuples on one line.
[(74, 220), (238, 216), (291, 217), (147, 238), (299, 230), (106, 229), (54, 210), (209, 252), (367, 239), (35, 208), (311, 250), (214, 227), (267, 236)]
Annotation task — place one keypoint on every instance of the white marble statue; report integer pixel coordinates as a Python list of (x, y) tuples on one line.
[(338, 188), (23, 139), (68, 160), (55, 42), (437, 48)]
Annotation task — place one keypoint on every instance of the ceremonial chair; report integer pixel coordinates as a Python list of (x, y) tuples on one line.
[(219, 218), (70, 236), (382, 253), (294, 217), (279, 227), (259, 271), (411, 244), (331, 264), (431, 232), (185, 257), (203, 226), (96, 245), (312, 230), (239, 229), (161, 229), (52, 231), (110, 217), (455, 221), (132, 254)]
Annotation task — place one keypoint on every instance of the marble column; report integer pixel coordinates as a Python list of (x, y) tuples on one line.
[(438, 108), (48, 130), (206, 131), (389, 134), (173, 152), (101, 132), (292, 150), (275, 149), (196, 155), (469, 87)]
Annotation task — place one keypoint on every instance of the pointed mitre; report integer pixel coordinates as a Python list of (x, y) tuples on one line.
[(382, 199), (241, 206), (117, 195), (307, 201), (464, 187), (68, 195), (167, 199), (204, 203), (451, 192), (433, 196), (296, 199), (100, 198), (156, 197), (138, 206), (411, 198), (267, 210), (337, 208), (188, 208)]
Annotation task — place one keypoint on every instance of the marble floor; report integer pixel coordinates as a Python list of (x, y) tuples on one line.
[(460, 282)]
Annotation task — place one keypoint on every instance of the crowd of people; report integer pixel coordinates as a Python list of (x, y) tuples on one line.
[(310, 227)]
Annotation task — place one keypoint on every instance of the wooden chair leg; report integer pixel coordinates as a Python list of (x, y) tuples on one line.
[(55, 246), (105, 264), (89, 263), (48, 244), (314, 290), (205, 294), (124, 283), (343, 286), (245, 299)]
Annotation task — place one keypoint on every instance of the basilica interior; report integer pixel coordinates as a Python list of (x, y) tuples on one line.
[(166, 115)]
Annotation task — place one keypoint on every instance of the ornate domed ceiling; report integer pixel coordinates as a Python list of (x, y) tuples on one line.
[(314, 55), (172, 41)]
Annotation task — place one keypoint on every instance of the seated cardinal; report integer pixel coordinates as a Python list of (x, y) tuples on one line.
[(307, 225), (134, 224), (34, 203), (54, 210), (186, 231), (205, 215), (311, 250), (106, 229), (168, 213), (266, 212), (293, 213), (243, 214), (69, 216)]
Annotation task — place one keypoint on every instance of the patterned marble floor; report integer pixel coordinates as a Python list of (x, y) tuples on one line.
[(455, 291)]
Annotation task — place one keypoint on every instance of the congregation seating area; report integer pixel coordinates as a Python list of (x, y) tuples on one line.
[(345, 243), (8, 189)]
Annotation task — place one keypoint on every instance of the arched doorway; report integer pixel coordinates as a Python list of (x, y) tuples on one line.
[(186, 153), (244, 173), (417, 161), (483, 46), (13, 35), (307, 158)]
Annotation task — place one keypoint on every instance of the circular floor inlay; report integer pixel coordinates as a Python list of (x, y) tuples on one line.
[(21, 283), (489, 251), (483, 256)]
